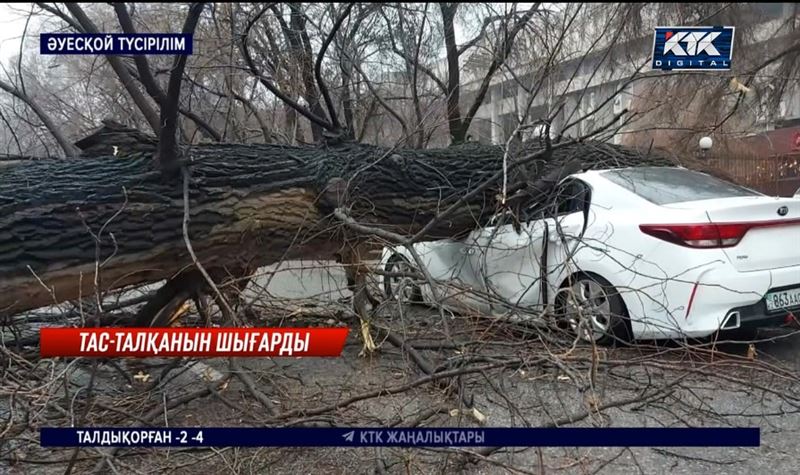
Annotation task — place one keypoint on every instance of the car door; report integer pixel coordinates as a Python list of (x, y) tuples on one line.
[(509, 265), (515, 264), (449, 263), (566, 222)]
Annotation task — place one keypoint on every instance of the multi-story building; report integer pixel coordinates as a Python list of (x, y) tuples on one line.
[(592, 86)]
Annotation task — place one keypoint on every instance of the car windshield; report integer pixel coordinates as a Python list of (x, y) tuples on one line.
[(662, 185)]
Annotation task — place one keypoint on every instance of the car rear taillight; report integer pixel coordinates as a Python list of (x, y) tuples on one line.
[(705, 235), (708, 235)]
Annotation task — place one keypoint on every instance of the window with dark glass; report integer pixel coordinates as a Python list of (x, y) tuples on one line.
[(664, 185)]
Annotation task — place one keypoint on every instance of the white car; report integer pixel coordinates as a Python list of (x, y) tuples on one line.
[(628, 253)]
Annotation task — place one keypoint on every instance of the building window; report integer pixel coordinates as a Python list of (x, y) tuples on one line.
[(763, 106), (588, 105), (617, 139), (618, 104), (480, 131), (510, 123), (592, 101), (590, 65), (768, 11)]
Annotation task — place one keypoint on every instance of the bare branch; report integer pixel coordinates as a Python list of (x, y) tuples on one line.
[(497, 62), (142, 65), (120, 69), (66, 145), (68, 19), (268, 83), (486, 22), (411, 60), (318, 66)]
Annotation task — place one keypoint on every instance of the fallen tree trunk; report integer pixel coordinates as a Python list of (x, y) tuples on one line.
[(70, 228)]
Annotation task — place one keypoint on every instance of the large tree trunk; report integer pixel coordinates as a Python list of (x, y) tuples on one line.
[(63, 221)]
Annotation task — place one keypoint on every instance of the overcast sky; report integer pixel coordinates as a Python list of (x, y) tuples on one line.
[(12, 24)]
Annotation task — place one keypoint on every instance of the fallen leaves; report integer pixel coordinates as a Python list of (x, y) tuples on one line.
[(141, 376)]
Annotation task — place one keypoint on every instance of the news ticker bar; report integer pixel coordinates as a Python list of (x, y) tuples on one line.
[(191, 342), (400, 437), (116, 43)]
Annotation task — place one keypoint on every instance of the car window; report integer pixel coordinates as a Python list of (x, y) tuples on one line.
[(663, 185), (571, 196)]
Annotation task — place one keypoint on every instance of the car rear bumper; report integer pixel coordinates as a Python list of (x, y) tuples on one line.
[(757, 315), (723, 299)]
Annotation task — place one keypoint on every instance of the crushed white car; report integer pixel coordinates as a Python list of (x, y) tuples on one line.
[(629, 253)]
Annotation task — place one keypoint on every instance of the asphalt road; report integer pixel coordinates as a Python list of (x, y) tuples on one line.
[(512, 399), (302, 279), (780, 423)]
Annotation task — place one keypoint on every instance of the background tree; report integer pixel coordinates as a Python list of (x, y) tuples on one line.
[(369, 92)]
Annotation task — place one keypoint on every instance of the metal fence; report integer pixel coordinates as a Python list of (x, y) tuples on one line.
[(775, 175)]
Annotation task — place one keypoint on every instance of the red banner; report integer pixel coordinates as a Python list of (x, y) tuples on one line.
[(191, 342)]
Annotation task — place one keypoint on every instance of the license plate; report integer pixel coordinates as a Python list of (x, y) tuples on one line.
[(783, 299)]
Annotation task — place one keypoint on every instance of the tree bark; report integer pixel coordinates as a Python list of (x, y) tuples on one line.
[(71, 228), (457, 134), (301, 46)]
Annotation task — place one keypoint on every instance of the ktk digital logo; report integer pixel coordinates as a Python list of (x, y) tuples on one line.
[(693, 48)]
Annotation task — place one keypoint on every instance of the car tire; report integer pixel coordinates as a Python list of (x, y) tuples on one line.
[(401, 289), (588, 304)]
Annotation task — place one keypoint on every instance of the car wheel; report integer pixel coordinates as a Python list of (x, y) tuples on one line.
[(400, 288), (592, 308)]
